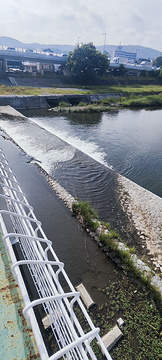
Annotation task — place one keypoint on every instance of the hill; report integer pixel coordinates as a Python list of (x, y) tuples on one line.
[(142, 52)]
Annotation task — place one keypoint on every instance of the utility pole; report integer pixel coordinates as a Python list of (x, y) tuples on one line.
[(104, 41), (78, 39)]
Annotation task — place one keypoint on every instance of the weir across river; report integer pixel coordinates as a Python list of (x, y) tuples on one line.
[(32, 256)]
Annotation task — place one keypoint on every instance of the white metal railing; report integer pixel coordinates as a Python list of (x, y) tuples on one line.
[(45, 270)]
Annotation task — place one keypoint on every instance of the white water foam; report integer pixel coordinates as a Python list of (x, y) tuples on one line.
[(89, 148), (48, 159)]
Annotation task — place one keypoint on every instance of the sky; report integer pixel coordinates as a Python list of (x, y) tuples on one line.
[(129, 22)]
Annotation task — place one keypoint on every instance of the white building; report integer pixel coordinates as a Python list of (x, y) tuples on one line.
[(124, 56)]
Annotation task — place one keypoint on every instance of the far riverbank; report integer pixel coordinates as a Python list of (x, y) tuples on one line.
[(93, 99)]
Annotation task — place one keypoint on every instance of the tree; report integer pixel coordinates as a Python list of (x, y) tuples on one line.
[(122, 70), (158, 61), (86, 62)]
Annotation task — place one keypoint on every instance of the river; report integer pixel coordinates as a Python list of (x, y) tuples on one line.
[(128, 141)]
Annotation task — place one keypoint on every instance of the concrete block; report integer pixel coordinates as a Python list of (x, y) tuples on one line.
[(112, 337), (120, 322), (85, 296), (47, 321)]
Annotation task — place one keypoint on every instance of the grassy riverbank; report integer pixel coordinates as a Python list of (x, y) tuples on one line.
[(134, 101), (133, 300), (130, 96), (29, 90), (109, 103), (124, 90), (128, 89), (133, 97)]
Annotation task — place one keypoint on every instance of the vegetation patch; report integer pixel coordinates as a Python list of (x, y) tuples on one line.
[(135, 300), (127, 90), (29, 90), (82, 108), (110, 238), (142, 320), (86, 214), (143, 101)]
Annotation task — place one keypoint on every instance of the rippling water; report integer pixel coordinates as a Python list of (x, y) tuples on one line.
[(128, 141)]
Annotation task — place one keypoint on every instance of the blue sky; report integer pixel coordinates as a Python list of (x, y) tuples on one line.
[(136, 22)]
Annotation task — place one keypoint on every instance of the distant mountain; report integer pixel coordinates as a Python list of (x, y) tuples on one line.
[(142, 52), (7, 41)]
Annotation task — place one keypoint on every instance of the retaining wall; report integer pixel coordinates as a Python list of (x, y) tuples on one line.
[(25, 102)]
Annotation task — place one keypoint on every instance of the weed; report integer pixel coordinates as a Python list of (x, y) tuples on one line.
[(132, 250), (82, 103), (63, 104), (83, 208)]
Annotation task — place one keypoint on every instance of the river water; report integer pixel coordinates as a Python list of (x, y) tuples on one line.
[(128, 141)]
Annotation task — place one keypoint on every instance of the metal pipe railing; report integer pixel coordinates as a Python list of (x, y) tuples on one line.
[(72, 341)]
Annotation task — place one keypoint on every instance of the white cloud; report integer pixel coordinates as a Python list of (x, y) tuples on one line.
[(62, 21)]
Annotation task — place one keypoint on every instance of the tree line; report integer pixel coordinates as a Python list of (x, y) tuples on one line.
[(87, 63)]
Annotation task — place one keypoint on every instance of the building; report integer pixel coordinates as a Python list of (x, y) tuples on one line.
[(37, 68), (124, 56)]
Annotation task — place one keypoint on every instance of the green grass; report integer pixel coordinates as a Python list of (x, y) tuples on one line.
[(141, 89), (83, 208), (82, 109), (143, 101), (63, 104), (126, 90), (27, 90)]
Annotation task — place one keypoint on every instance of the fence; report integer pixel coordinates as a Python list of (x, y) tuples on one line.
[(62, 309)]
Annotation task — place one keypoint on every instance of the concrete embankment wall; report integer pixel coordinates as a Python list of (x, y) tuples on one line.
[(46, 101)]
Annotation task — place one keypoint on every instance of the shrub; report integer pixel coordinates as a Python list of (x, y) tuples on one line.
[(63, 104), (82, 103)]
